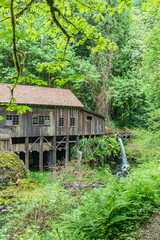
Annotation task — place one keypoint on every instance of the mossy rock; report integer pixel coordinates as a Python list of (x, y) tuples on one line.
[(11, 168)]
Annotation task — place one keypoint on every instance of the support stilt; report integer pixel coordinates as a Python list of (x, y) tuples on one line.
[(27, 152), (41, 155), (77, 142), (67, 150), (54, 151)]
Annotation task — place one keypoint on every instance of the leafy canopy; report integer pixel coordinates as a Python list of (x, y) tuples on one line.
[(62, 21)]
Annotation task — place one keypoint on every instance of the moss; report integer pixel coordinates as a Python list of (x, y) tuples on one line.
[(12, 194), (11, 168)]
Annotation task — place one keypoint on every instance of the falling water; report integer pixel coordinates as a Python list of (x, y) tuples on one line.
[(125, 165)]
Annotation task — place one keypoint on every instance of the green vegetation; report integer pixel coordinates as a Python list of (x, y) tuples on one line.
[(118, 208), (108, 54), (98, 152), (144, 147), (72, 204)]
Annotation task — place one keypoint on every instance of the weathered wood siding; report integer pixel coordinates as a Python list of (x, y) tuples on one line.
[(95, 126)]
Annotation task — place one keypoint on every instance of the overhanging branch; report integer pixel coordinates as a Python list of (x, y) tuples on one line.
[(20, 13), (17, 15), (13, 24)]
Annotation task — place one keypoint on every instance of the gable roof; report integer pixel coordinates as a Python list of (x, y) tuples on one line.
[(94, 113), (31, 95)]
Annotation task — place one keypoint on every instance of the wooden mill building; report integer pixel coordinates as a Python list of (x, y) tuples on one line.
[(58, 119)]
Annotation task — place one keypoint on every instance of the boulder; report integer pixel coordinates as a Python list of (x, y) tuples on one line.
[(11, 168)]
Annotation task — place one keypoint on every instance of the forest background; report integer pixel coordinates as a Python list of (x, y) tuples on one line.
[(106, 52)]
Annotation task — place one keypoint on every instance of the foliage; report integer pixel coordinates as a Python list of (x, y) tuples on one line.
[(97, 152), (107, 213), (40, 178), (50, 210), (38, 206), (33, 216), (151, 58), (144, 147), (128, 104)]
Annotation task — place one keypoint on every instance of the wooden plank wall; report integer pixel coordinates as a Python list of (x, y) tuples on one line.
[(82, 125)]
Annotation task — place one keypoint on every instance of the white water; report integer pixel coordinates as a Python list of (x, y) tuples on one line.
[(123, 157)]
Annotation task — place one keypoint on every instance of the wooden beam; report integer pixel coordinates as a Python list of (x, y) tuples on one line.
[(54, 151), (27, 152), (41, 155), (67, 150), (77, 142)]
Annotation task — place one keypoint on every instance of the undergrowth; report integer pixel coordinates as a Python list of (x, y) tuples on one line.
[(111, 212), (97, 152), (46, 209), (144, 147)]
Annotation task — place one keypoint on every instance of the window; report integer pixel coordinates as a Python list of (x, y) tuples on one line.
[(9, 120), (41, 120), (47, 120), (15, 119), (72, 122), (35, 120), (12, 120), (61, 122), (89, 118)]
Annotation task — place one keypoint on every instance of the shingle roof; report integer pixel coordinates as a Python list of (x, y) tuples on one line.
[(31, 95)]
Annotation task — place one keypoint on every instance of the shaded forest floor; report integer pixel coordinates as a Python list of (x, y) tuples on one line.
[(151, 230)]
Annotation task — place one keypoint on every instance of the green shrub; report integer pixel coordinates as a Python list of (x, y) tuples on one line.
[(97, 152)]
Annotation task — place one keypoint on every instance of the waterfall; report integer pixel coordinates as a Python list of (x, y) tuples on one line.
[(125, 165)]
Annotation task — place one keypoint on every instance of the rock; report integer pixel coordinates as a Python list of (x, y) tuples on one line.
[(11, 168)]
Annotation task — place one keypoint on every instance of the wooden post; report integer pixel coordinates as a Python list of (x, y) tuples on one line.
[(54, 151), (67, 150), (83, 137), (27, 152), (77, 142), (103, 137), (89, 136), (41, 155)]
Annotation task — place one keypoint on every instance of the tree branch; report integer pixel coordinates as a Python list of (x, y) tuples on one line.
[(13, 24), (4, 19), (84, 4), (52, 10), (66, 19), (20, 13), (17, 15)]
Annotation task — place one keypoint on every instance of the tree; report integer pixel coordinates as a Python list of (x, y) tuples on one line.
[(62, 23)]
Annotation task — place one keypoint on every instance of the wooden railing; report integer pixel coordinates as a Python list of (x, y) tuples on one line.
[(123, 133)]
